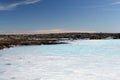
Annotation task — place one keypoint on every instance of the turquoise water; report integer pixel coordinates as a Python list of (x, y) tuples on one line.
[(74, 48)]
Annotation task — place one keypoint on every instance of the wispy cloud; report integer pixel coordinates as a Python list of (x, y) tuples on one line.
[(116, 3), (14, 5)]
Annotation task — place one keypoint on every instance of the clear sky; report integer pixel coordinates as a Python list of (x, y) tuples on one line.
[(59, 15)]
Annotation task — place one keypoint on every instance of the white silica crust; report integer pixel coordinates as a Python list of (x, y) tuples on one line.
[(79, 60)]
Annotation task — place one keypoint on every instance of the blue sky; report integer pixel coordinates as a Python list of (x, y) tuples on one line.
[(27, 16)]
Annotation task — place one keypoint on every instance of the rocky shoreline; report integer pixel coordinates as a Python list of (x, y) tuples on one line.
[(7, 41), (8, 44)]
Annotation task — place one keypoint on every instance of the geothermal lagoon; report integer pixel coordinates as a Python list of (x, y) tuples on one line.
[(78, 60)]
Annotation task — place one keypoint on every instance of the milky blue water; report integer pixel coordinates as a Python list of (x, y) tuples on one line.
[(74, 48)]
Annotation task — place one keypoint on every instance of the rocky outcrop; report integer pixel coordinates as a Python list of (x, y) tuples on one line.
[(8, 44), (7, 41)]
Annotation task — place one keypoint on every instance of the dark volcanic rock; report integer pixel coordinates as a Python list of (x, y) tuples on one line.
[(7, 41)]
